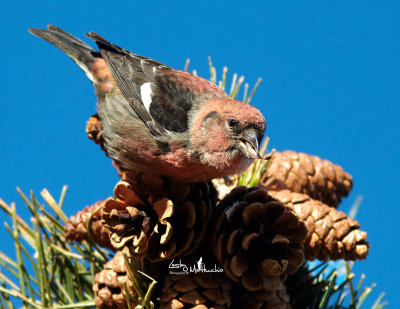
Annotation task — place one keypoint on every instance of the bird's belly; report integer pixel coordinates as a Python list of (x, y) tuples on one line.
[(179, 166)]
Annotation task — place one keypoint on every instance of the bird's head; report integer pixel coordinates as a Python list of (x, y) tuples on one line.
[(226, 130)]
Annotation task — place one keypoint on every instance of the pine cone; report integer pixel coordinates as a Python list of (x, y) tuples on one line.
[(76, 228), (197, 291), (331, 234), (263, 300), (303, 173), (169, 221), (94, 129), (257, 239), (108, 285)]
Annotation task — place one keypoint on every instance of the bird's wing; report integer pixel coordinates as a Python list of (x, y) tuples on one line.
[(160, 95)]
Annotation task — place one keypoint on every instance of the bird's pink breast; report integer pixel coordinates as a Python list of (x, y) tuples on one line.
[(179, 165)]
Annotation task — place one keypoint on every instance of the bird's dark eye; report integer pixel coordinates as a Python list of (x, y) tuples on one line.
[(232, 122)]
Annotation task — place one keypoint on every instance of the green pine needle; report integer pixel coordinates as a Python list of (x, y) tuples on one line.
[(50, 272)]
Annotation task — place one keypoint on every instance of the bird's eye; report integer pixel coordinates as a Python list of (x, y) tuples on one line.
[(232, 122)]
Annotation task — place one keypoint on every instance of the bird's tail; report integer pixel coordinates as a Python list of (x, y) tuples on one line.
[(81, 53)]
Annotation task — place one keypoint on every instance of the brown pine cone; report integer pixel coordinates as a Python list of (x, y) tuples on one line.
[(303, 173), (257, 239), (169, 221), (331, 234), (108, 285), (94, 129), (76, 228), (197, 291), (279, 299)]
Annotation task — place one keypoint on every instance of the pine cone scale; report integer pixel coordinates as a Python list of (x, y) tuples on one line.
[(142, 217), (330, 234), (251, 234), (302, 173), (76, 229), (196, 290), (109, 284)]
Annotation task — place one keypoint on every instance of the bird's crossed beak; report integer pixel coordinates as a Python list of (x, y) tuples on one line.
[(248, 145)]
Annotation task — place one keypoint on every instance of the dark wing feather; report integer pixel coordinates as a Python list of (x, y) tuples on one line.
[(130, 72), (173, 93)]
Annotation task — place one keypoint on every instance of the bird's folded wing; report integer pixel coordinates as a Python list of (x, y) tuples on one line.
[(160, 96)]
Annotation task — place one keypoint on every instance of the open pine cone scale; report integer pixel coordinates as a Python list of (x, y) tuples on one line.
[(257, 239)]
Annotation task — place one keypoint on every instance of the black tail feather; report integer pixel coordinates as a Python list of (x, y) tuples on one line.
[(73, 38), (81, 53)]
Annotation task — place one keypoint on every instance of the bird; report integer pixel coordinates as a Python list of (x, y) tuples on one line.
[(161, 121)]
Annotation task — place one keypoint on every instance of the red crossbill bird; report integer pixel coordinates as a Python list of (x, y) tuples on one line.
[(163, 121)]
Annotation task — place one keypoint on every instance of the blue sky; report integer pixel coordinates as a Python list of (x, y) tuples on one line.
[(331, 76)]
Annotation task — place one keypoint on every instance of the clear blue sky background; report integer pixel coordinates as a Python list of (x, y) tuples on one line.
[(331, 77)]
